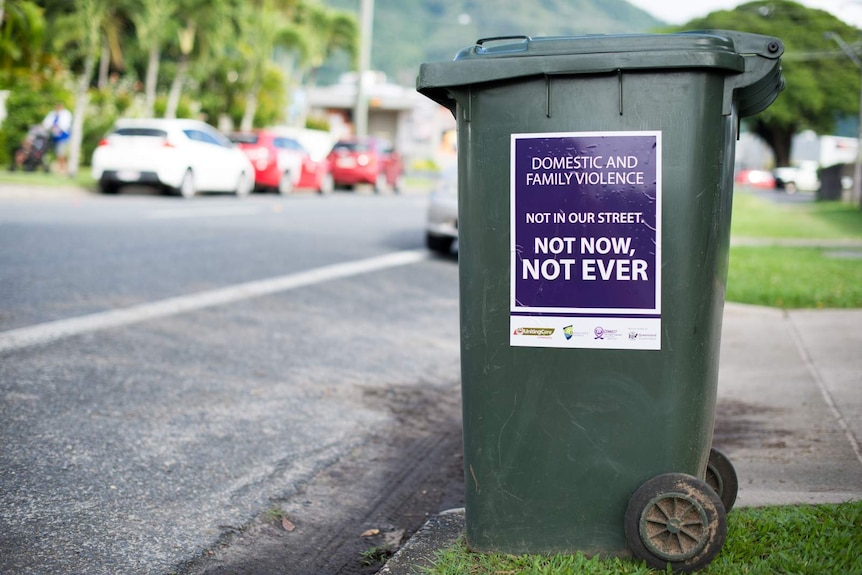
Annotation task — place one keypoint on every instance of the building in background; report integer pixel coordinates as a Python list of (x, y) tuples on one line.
[(413, 124)]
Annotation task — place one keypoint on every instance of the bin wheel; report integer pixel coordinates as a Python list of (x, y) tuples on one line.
[(677, 519), (721, 476)]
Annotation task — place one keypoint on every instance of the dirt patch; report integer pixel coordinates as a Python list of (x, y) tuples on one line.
[(352, 515), (741, 425)]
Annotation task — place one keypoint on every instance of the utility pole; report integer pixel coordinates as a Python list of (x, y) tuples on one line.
[(857, 169), (366, 23)]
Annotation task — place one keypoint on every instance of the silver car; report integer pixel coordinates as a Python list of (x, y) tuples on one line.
[(441, 232)]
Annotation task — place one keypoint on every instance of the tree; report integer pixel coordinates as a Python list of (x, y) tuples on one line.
[(822, 83), (332, 30), (186, 35), (21, 35), (113, 25), (78, 35), (306, 29), (222, 51), (153, 22), (261, 26), (207, 26)]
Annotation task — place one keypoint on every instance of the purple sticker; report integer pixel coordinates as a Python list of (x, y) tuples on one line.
[(586, 223)]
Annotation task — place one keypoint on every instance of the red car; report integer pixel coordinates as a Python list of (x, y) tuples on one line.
[(283, 162), (755, 178), (366, 161)]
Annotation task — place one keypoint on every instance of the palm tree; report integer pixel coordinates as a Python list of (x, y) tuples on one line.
[(152, 21), (263, 26), (21, 35), (186, 35), (331, 30), (78, 35), (113, 25), (207, 30), (306, 29)]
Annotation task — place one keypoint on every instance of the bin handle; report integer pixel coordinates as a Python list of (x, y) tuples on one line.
[(481, 48)]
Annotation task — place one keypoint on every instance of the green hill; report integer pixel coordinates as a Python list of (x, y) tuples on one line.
[(409, 32)]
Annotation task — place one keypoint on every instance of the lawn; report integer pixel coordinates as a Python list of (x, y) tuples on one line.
[(791, 276), (757, 217), (40, 178), (798, 539)]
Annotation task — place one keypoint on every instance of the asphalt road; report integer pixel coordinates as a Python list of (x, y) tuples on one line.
[(173, 373)]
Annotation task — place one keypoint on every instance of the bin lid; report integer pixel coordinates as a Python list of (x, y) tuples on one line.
[(753, 57)]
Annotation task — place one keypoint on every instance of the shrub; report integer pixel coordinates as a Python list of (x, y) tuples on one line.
[(30, 99)]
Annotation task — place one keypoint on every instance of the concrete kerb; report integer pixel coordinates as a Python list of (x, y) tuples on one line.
[(439, 532), (791, 380)]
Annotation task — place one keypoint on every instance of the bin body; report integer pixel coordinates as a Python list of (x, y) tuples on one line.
[(556, 439)]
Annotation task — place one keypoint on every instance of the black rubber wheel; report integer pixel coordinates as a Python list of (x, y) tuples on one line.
[(108, 188), (439, 244), (721, 476), (675, 519)]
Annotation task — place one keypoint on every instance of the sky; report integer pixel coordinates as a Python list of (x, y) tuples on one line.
[(681, 11)]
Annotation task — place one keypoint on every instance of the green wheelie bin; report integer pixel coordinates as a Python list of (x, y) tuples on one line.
[(595, 178)]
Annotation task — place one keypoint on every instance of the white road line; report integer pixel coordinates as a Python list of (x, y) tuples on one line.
[(51, 331), (211, 212)]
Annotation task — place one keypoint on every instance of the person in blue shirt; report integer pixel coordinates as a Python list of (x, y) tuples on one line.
[(59, 123)]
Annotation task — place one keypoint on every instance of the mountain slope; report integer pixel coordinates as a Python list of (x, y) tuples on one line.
[(409, 32)]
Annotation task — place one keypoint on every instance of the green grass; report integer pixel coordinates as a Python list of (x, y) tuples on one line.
[(799, 540), (40, 178), (759, 218), (795, 277)]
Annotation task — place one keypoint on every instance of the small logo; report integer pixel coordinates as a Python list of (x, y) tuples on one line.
[(633, 335), (536, 331), (600, 332), (568, 331)]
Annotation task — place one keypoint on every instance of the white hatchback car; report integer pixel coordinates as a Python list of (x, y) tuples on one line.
[(180, 156)]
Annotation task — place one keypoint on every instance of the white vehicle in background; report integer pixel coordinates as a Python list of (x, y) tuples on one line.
[(179, 156), (801, 178), (441, 229)]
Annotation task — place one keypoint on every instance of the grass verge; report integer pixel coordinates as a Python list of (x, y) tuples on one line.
[(795, 277), (803, 540), (792, 278), (756, 217), (49, 179)]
